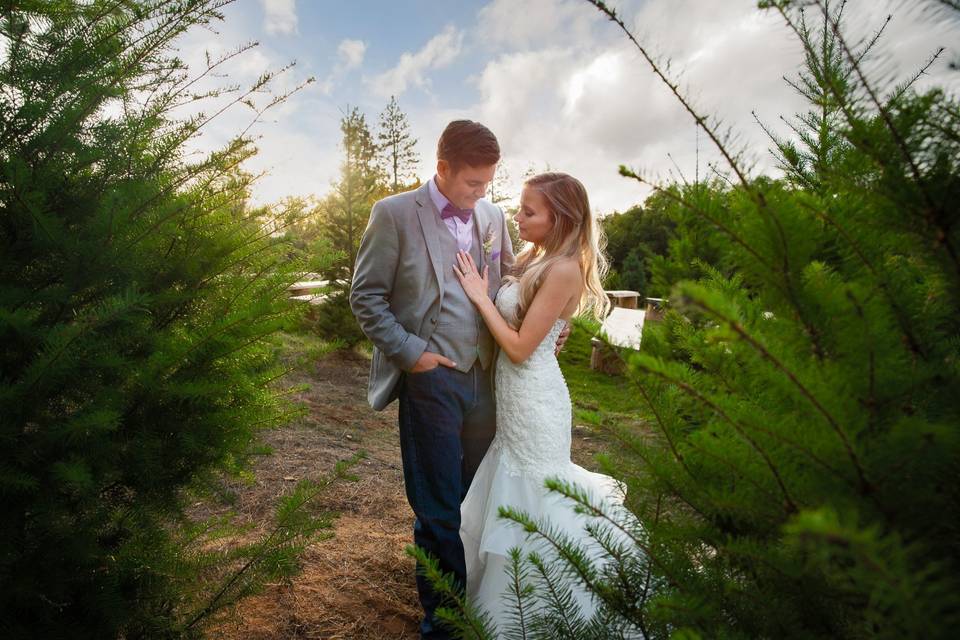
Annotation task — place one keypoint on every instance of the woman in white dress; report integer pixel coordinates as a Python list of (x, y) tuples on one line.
[(557, 275)]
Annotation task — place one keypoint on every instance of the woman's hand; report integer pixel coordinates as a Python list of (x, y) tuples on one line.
[(475, 285)]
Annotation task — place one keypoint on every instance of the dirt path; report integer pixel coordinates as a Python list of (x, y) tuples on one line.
[(359, 583)]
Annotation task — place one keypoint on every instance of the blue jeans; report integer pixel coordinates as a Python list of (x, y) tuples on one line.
[(447, 420)]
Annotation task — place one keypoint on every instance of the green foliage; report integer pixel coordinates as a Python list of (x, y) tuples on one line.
[(455, 612), (137, 290), (633, 277), (695, 243), (334, 320), (673, 236), (644, 231)]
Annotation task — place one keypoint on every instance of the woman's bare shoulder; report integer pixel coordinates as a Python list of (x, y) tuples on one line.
[(565, 271)]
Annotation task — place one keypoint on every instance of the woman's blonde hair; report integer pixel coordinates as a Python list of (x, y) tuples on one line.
[(575, 234)]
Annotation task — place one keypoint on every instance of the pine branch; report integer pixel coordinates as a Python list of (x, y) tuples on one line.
[(567, 620), (880, 278), (865, 486), (576, 496), (457, 612), (789, 505), (520, 597), (932, 211), (674, 89)]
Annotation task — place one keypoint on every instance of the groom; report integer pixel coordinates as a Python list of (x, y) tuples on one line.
[(431, 348)]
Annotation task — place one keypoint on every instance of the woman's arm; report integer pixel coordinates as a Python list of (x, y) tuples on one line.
[(561, 284)]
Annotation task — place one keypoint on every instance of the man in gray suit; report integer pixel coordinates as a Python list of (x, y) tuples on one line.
[(431, 348)]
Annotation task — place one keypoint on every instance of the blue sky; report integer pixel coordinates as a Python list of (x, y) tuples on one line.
[(558, 84)]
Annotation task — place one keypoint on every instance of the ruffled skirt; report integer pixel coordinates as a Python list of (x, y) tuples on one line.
[(487, 538)]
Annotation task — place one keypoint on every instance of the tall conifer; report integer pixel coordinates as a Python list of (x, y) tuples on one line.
[(397, 147), (345, 212), (136, 288)]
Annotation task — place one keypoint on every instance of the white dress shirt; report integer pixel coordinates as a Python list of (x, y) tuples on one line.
[(462, 231)]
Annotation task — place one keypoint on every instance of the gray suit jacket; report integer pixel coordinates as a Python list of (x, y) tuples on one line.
[(397, 289)]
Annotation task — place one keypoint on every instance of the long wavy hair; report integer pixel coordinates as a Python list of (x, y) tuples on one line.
[(575, 234)]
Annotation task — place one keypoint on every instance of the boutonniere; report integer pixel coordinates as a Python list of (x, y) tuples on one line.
[(488, 239)]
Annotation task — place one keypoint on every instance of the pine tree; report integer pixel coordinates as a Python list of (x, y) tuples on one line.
[(345, 212), (397, 148), (136, 290), (343, 216), (798, 476)]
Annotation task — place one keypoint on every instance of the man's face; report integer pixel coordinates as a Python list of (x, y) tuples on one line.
[(466, 185)]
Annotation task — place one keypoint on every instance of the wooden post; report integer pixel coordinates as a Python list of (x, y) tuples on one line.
[(654, 309), (603, 359)]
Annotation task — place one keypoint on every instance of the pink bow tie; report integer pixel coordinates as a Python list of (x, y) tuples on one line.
[(451, 211)]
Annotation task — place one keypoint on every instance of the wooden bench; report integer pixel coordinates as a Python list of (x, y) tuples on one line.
[(623, 298)]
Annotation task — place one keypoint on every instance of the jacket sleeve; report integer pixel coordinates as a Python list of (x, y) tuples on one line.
[(372, 287)]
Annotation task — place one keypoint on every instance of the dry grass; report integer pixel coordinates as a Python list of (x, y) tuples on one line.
[(359, 584)]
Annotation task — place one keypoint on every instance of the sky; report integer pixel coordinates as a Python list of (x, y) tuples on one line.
[(559, 84)]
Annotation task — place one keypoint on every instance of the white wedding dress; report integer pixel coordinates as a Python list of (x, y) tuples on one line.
[(532, 443)]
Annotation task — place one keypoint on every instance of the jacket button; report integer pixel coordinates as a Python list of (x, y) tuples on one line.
[(433, 321)]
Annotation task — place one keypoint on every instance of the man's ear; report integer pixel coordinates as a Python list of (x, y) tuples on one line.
[(443, 169)]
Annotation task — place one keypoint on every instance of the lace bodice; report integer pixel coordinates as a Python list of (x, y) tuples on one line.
[(533, 404), (508, 299)]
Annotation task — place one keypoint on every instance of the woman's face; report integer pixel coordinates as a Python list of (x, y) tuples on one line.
[(533, 219)]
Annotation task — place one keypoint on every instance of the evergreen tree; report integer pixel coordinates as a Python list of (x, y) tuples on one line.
[(397, 148), (344, 213), (343, 216), (694, 244), (136, 289), (798, 477)]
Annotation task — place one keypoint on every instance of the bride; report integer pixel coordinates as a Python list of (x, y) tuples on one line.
[(555, 277)]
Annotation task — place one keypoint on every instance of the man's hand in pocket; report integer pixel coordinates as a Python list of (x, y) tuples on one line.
[(429, 361)]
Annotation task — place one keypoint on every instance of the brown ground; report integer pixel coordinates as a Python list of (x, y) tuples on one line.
[(359, 583)]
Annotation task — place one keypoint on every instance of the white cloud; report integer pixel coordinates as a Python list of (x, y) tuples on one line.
[(568, 90), (560, 86), (281, 16), (501, 26), (412, 68), (351, 53), (582, 99)]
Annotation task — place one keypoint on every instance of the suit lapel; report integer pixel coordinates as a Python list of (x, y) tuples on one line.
[(479, 226), (428, 215)]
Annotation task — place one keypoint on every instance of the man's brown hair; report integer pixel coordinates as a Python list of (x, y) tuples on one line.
[(468, 143)]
